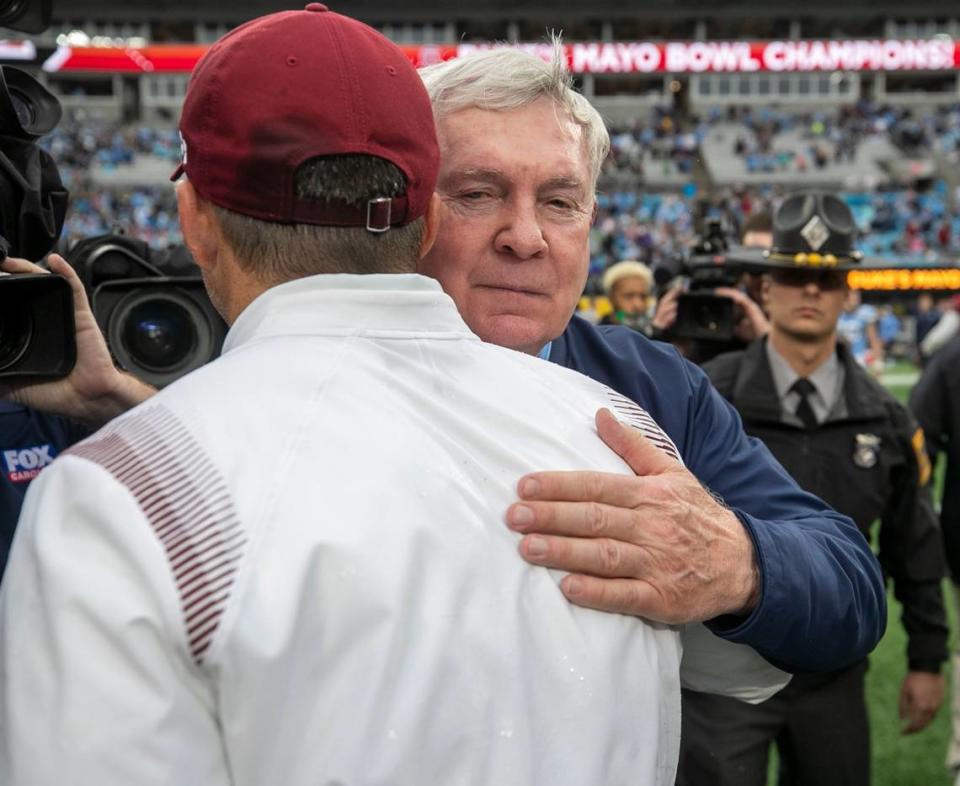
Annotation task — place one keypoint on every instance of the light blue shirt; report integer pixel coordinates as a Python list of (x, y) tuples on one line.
[(827, 398)]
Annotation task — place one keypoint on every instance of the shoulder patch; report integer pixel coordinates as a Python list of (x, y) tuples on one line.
[(924, 469), (187, 503), (630, 412)]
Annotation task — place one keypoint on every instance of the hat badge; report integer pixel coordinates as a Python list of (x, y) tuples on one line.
[(816, 233)]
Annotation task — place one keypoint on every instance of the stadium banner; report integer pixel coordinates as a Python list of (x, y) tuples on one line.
[(905, 279), (622, 57)]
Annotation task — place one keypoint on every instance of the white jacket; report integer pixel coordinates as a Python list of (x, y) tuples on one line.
[(291, 568)]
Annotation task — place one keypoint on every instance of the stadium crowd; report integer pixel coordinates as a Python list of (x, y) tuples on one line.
[(825, 137), (913, 225)]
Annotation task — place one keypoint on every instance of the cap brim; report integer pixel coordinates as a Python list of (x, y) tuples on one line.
[(756, 260)]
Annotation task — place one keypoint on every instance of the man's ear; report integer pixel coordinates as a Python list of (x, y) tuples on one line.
[(200, 234), (765, 291), (431, 225)]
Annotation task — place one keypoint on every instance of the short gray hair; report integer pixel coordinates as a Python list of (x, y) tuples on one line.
[(275, 253), (507, 78)]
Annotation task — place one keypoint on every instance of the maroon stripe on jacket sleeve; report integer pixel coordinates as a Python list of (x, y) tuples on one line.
[(188, 505), (632, 413)]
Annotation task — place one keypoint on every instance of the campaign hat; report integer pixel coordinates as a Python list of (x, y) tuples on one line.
[(811, 229)]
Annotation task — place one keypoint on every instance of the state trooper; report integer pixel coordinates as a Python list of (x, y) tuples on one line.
[(847, 440)]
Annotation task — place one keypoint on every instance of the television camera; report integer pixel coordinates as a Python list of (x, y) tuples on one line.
[(151, 306), (36, 311), (701, 313)]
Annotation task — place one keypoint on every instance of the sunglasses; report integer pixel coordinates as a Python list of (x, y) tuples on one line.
[(826, 280)]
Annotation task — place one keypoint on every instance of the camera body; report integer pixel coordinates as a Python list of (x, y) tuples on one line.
[(27, 16), (152, 307), (36, 326), (36, 311)]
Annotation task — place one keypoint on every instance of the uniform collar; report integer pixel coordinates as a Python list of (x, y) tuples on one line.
[(755, 393), (827, 379), (384, 305), (864, 395)]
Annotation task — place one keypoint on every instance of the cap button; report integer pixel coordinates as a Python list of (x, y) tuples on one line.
[(317, 7)]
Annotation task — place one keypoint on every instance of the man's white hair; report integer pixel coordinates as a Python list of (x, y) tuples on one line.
[(507, 78)]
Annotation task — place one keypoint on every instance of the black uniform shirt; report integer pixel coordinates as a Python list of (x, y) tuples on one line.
[(864, 461)]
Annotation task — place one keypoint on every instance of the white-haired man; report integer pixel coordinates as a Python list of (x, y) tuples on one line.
[(520, 156), (733, 541)]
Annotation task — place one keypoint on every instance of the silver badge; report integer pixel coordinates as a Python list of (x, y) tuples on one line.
[(865, 450), (815, 232)]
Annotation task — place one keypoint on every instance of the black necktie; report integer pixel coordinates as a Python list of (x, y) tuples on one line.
[(804, 387)]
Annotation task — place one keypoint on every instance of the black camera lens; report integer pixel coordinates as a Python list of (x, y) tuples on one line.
[(158, 329), (16, 328), (27, 109), (159, 334), (10, 10)]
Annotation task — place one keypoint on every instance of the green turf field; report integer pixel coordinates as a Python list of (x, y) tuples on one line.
[(898, 760)]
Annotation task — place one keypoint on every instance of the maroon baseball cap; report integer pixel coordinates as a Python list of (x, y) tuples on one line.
[(295, 85)]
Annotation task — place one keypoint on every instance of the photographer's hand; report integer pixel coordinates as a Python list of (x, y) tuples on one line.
[(754, 323), (95, 391), (666, 311)]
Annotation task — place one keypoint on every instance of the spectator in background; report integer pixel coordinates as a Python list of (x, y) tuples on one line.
[(927, 315), (888, 329), (757, 232), (947, 326), (935, 402), (857, 326), (629, 286)]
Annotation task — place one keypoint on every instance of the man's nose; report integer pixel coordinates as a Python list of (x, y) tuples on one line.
[(521, 235)]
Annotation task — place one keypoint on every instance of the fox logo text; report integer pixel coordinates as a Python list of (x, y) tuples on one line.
[(25, 464)]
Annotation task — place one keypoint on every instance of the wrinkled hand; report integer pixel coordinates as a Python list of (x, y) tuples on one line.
[(754, 322), (655, 545), (95, 391), (921, 695), (665, 313)]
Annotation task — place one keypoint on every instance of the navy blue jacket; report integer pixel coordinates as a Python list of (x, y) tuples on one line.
[(29, 440), (822, 604)]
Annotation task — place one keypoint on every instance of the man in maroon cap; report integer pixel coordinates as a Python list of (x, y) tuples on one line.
[(290, 566)]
